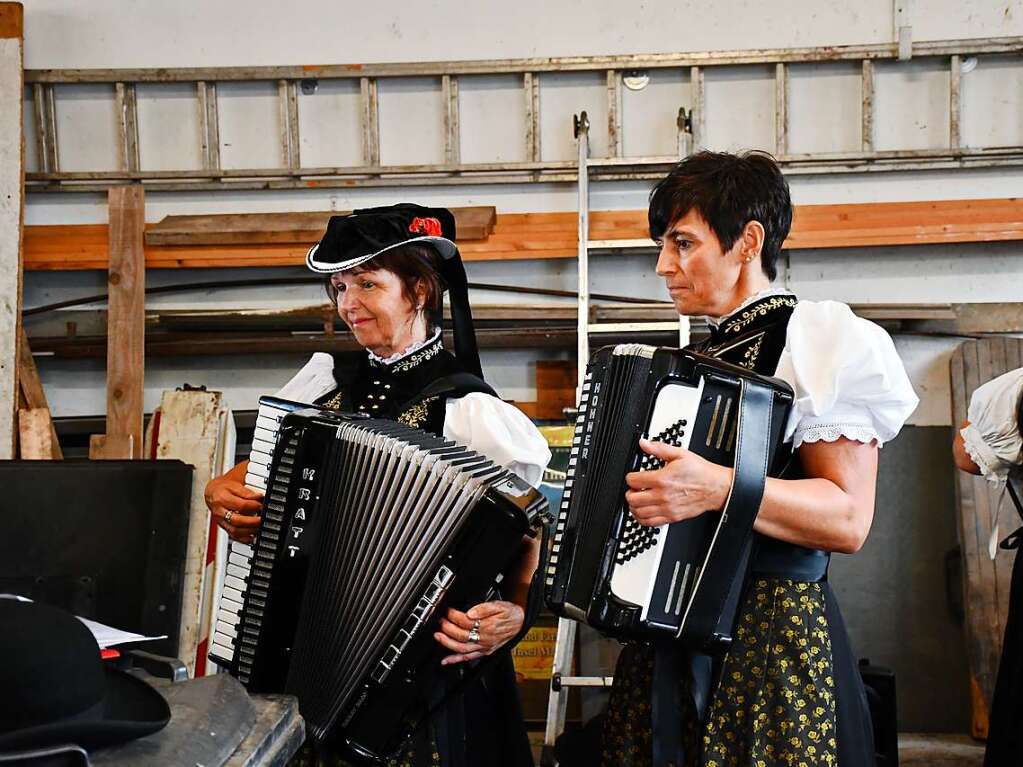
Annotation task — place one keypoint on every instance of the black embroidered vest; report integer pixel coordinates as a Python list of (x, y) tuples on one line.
[(754, 337), (392, 391)]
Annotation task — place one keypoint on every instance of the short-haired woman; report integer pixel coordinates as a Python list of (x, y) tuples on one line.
[(386, 270), (788, 691)]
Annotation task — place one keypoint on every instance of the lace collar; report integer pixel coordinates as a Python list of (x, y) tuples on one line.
[(420, 351), (753, 308)]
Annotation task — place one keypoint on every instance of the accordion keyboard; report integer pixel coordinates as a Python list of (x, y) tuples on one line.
[(239, 561), (638, 556), (637, 538)]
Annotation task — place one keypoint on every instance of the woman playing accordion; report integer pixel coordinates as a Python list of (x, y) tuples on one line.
[(787, 691), (386, 269)]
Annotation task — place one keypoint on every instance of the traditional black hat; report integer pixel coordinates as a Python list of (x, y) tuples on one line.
[(54, 689), (354, 239)]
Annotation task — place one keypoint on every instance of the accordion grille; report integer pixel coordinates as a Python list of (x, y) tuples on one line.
[(387, 513)]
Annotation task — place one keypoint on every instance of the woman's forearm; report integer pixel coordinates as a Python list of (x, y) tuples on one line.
[(815, 513), (834, 508)]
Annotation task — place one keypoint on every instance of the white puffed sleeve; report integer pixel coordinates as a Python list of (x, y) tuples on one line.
[(315, 379), (499, 431), (992, 437), (847, 377)]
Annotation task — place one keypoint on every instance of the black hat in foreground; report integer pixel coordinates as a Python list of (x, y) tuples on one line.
[(54, 689), (354, 239)]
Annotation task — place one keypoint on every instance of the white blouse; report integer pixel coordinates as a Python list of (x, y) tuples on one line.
[(992, 437), (479, 421), (847, 377)]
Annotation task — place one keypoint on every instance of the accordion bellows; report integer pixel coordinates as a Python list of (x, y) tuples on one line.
[(370, 531)]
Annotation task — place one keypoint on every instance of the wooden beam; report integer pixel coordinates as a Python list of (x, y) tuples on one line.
[(126, 323), (112, 447), (472, 223), (35, 434), (12, 195), (516, 236), (34, 397), (555, 388)]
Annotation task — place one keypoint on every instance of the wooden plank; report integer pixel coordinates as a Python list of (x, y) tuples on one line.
[(282, 239), (126, 319), (35, 434), (966, 524), (112, 447), (32, 393), (189, 430), (12, 176), (555, 388), (472, 223)]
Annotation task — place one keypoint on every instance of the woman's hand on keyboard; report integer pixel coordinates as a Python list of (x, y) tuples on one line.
[(684, 487), (234, 506), (496, 623)]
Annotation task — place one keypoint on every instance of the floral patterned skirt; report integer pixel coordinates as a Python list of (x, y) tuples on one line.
[(789, 693)]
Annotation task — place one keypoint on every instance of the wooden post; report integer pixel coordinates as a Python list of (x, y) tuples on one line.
[(12, 193), (34, 401), (125, 327), (35, 433)]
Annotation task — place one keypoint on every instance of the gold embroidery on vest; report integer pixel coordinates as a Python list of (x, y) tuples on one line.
[(414, 359), (759, 310), (749, 359), (336, 402), (416, 415)]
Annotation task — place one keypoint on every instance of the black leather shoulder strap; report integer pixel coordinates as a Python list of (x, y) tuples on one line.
[(721, 579), (454, 385)]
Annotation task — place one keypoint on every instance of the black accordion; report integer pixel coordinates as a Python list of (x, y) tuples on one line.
[(370, 531), (682, 580)]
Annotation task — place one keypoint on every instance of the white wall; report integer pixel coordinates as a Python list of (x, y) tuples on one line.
[(911, 104)]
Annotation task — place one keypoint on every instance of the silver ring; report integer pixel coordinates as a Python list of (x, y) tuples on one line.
[(474, 634), (227, 517)]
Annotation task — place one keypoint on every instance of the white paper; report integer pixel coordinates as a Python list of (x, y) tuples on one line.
[(106, 636)]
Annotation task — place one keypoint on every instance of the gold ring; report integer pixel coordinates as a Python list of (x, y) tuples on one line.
[(227, 517)]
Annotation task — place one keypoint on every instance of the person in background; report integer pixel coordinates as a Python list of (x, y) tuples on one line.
[(989, 444)]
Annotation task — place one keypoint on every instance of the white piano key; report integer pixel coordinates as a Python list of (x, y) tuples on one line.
[(229, 602), (259, 470), (265, 435), (235, 583), (238, 572), (260, 459), (234, 595), (266, 447), (256, 481), (267, 422), (240, 560), (227, 617), (227, 653), (222, 639), (265, 408)]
